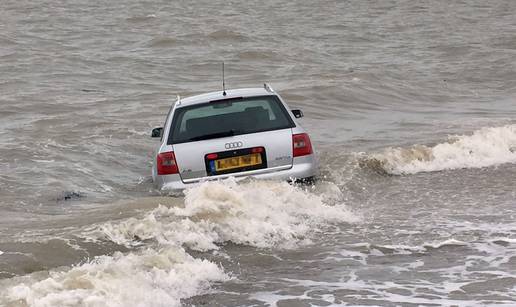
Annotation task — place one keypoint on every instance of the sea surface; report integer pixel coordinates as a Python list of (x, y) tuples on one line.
[(411, 106)]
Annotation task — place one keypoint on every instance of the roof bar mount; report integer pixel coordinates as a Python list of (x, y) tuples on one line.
[(268, 88)]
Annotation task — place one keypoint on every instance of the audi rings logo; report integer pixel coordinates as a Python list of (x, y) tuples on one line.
[(233, 145)]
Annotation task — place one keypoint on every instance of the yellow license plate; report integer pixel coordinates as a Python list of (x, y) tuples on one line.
[(237, 162)]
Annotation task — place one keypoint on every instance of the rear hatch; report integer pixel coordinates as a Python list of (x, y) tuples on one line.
[(231, 136), (258, 152)]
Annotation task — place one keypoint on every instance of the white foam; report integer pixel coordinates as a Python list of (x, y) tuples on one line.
[(43, 161), (378, 293), (494, 254), (257, 213), (485, 147), (1, 252), (448, 242), (409, 249), (149, 278), (354, 255)]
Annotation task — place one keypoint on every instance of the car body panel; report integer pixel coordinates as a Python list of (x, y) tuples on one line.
[(218, 95), (303, 167), (190, 156)]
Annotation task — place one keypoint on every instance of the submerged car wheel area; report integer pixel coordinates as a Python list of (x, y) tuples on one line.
[(241, 132)]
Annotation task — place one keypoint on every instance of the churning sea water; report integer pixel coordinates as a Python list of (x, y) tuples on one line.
[(411, 106)]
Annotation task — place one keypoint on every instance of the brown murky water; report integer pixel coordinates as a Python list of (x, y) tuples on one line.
[(410, 104)]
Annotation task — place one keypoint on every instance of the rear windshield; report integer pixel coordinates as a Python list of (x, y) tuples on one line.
[(228, 117)]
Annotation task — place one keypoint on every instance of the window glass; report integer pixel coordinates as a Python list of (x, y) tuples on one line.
[(228, 117)]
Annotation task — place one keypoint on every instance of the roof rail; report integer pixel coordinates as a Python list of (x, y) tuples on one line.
[(268, 88)]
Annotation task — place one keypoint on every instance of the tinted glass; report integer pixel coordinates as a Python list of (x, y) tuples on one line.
[(228, 117)]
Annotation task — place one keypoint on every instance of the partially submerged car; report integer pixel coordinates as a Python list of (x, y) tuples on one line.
[(239, 133)]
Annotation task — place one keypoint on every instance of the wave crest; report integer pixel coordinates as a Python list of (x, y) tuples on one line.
[(485, 147), (258, 213), (149, 278), (159, 271)]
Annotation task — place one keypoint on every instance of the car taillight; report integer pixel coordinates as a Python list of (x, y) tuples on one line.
[(167, 163), (212, 156), (301, 145), (257, 150)]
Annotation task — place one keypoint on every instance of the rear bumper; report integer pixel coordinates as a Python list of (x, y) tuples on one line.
[(303, 167)]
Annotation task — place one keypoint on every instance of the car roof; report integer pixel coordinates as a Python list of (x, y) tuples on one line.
[(218, 95)]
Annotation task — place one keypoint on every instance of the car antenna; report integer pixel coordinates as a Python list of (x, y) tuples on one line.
[(223, 81)]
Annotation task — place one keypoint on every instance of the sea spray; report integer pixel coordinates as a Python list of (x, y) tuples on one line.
[(151, 277), (158, 271), (257, 213), (485, 147)]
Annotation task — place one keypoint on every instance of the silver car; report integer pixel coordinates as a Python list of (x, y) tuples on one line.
[(239, 133)]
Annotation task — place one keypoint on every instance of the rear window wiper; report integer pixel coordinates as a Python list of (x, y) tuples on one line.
[(214, 135)]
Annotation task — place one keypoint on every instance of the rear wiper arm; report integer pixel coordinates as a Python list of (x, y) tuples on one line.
[(214, 135)]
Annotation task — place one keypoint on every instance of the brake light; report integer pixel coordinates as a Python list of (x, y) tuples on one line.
[(257, 150), (301, 145), (212, 156), (166, 163)]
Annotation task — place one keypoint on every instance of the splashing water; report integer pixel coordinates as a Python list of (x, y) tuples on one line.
[(259, 213), (485, 147), (149, 278), (160, 273)]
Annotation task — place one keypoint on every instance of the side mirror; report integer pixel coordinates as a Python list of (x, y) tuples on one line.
[(157, 132), (297, 113)]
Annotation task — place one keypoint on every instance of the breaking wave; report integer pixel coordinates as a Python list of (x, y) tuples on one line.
[(158, 270), (149, 278), (258, 213), (485, 147)]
